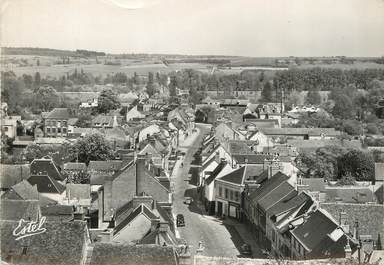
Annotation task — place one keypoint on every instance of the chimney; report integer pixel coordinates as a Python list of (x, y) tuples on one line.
[(273, 165), (140, 174), (154, 224), (348, 251), (251, 185), (343, 221)]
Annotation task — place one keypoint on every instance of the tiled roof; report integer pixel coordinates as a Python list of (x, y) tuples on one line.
[(75, 166), (110, 165), (17, 209), (46, 184), (314, 230), (46, 166), (285, 191), (312, 145), (72, 121), (369, 216), (268, 186), (58, 114), (349, 194), (215, 172), (103, 119), (149, 149), (250, 158), (23, 190), (240, 147), (238, 176), (13, 174), (207, 162), (300, 131), (123, 254), (141, 209), (57, 210), (62, 243)]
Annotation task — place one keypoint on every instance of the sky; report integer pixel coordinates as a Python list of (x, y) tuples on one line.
[(259, 28)]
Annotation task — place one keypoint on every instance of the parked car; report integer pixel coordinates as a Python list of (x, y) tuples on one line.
[(180, 220), (188, 200), (246, 250)]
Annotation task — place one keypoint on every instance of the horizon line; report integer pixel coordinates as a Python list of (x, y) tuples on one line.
[(181, 54)]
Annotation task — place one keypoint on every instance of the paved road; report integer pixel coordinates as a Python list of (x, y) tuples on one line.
[(217, 240)]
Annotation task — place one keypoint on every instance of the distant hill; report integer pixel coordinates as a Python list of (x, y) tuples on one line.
[(49, 52)]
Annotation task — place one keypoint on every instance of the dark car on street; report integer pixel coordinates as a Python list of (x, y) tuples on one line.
[(246, 250), (180, 220)]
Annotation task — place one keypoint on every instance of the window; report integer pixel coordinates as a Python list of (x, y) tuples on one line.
[(53, 130), (64, 123), (48, 130), (236, 196), (231, 195), (5, 129), (25, 248), (220, 192), (59, 130), (64, 130), (226, 193)]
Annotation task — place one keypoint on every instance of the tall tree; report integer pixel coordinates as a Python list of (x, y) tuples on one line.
[(150, 84), (266, 93), (37, 80), (343, 107), (92, 147), (107, 101), (46, 98), (313, 97), (358, 164)]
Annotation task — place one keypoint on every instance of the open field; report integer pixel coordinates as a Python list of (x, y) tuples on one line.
[(58, 70), (356, 65)]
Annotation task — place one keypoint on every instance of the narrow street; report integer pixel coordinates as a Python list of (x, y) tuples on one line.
[(216, 237)]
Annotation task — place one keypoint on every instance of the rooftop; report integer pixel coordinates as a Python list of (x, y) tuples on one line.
[(122, 254), (58, 114)]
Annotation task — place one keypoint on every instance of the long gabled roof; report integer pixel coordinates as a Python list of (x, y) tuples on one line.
[(19, 209), (46, 184), (268, 186), (13, 174), (215, 172), (314, 230), (141, 209), (58, 114), (248, 172), (286, 205), (281, 192), (109, 165), (121, 254), (46, 166), (25, 190), (61, 243), (250, 158)]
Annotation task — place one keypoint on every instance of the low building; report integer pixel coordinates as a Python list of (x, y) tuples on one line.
[(56, 123)]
